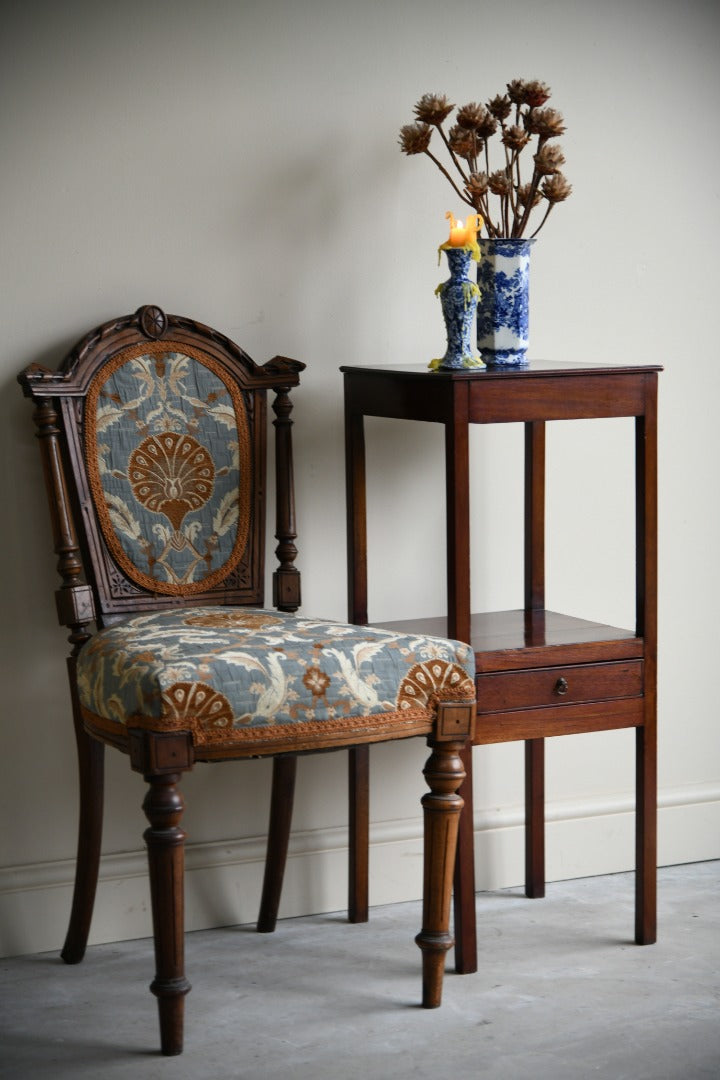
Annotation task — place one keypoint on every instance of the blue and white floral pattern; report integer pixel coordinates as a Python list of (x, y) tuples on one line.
[(245, 676), (167, 450), (503, 310), (459, 297)]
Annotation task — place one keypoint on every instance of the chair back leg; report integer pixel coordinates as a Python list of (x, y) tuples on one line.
[(281, 808), (91, 769)]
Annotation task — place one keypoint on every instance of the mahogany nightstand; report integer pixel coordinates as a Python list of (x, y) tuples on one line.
[(539, 673)]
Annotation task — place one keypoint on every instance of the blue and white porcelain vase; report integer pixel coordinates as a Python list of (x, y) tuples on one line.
[(458, 297), (502, 316)]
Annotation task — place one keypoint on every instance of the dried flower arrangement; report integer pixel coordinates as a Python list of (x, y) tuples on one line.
[(519, 115)]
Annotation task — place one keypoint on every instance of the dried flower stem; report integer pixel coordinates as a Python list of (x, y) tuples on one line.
[(447, 175), (546, 215), (534, 183), (451, 152)]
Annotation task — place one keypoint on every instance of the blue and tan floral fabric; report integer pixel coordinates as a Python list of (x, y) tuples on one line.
[(253, 677), (167, 449)]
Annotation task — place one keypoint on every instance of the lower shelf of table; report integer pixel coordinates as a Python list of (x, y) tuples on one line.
[(540, 673), (508, 640)]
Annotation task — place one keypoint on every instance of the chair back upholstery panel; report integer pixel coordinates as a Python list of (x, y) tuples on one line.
[(164, 425), (169, 463)]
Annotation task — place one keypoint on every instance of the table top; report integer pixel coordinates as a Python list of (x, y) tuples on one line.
[(534, 367), (543, 390)]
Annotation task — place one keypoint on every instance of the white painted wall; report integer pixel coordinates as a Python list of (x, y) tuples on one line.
[(237, 162)]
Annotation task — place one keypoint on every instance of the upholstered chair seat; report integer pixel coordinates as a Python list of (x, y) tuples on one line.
[(252, 680)]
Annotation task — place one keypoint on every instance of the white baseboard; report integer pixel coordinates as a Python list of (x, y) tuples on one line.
[(224, 878)]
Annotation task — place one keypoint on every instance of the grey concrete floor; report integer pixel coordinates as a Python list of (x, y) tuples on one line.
[(561, 993)]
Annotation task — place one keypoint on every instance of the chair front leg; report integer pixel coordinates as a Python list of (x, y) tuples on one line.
[(165, 841), (444, 773)]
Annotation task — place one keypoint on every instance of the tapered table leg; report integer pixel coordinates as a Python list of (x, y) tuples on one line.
[(646, 736), (466, 960), (359, 840), (535, 818)]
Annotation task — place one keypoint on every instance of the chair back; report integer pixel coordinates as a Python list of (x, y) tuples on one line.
[(154, 437)]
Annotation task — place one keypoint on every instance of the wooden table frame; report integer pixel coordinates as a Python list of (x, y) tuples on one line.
[(539, 673)]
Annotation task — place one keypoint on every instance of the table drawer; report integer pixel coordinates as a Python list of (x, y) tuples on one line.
[(542, 687)]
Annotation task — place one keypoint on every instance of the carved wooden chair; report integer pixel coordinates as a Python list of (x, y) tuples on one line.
[(153, 440)]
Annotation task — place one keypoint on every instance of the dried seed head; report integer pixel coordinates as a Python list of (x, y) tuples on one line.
[(548, 159), (500, 183), (516, 91), (556, 188), (471, 116), (433, 109), (462, 141), (546, 123), (477, 183), (536, 93), (415, 138), (523, 194), (500, 107), (515, 137), (488, 126)]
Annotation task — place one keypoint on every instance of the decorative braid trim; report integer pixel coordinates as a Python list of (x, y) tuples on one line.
[(274, 738), (131, 571)]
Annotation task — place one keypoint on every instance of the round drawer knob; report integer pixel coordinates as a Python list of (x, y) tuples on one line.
[(561, 687)]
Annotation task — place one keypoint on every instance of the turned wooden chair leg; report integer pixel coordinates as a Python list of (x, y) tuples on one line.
[(91, 769), (165, 840), (359, 833), (444, 773), (281, 808)]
